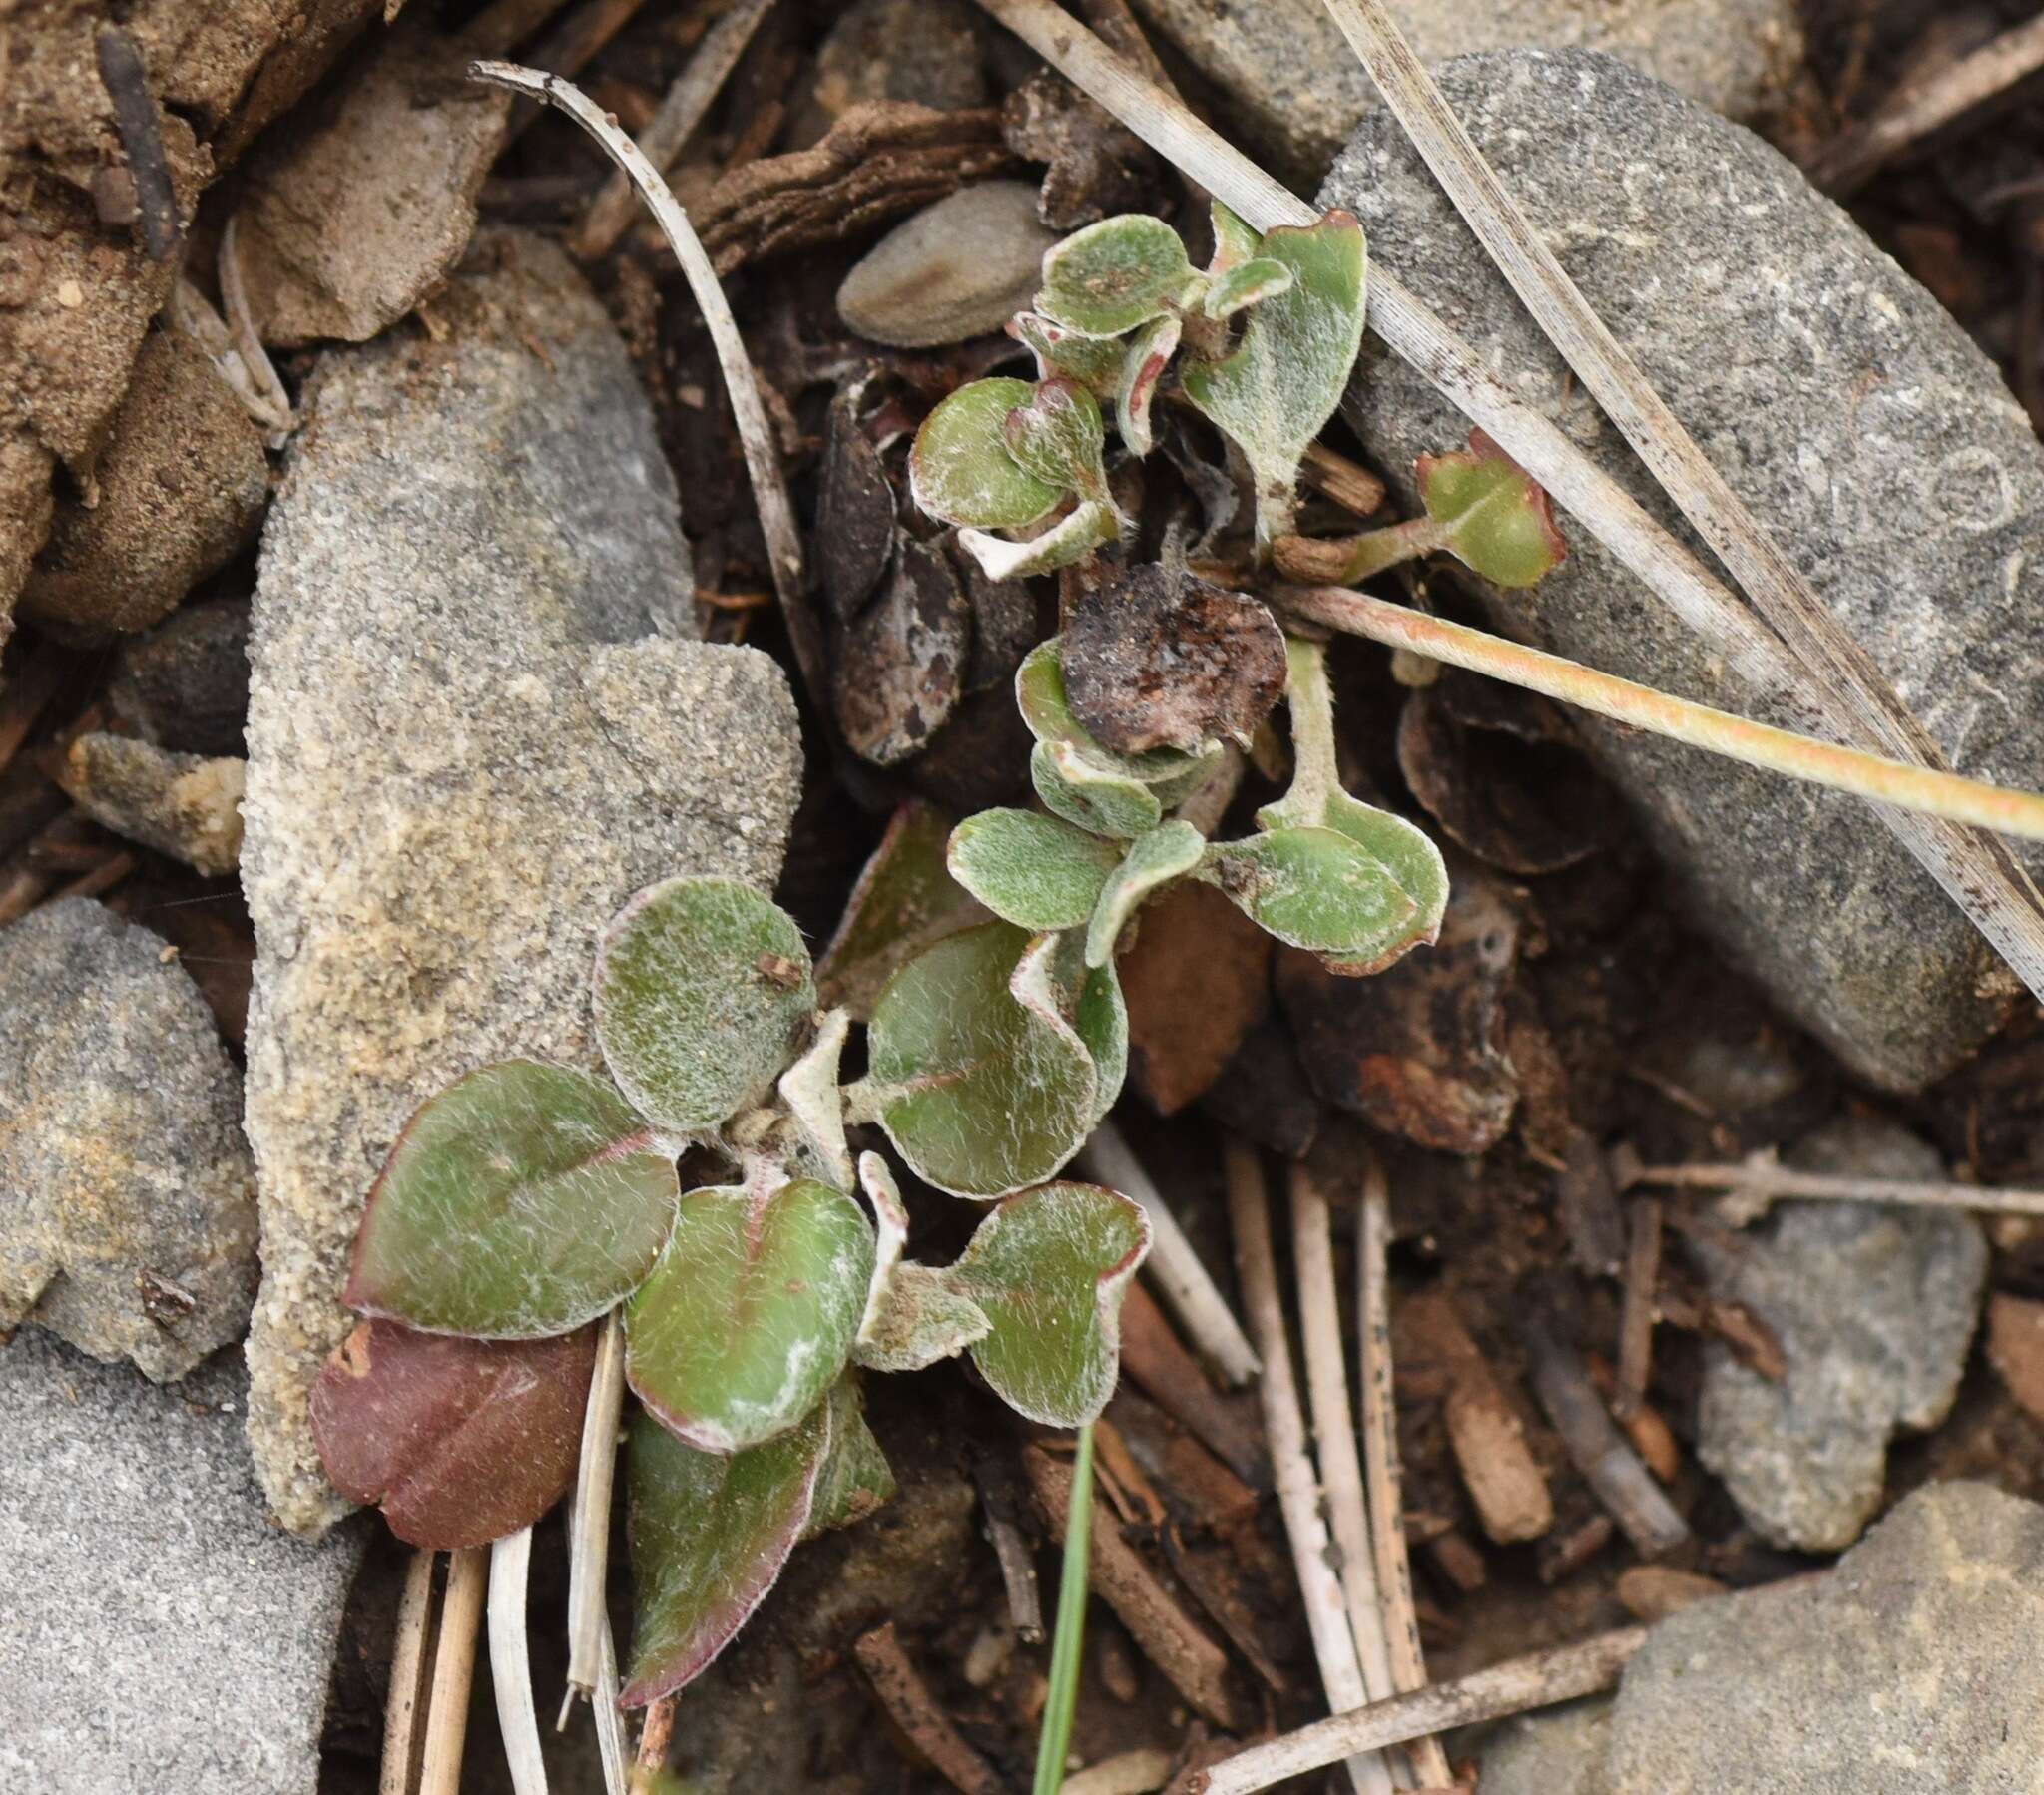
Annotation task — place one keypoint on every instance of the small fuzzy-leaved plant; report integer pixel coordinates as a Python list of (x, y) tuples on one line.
[(528, 1200)]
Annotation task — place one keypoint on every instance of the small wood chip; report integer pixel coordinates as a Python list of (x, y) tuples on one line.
[(1654, 1592), (911, 1706)]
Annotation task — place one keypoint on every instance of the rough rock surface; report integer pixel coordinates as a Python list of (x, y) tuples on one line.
[(958, 268), (183, 805), (1864, 429), (127, 1196), (1913, 1667), (1556, 1752), (1297, 90), (161, 1633), (181, 484), (472, 733), (362, 207), (184, 685), (1874, 1306)]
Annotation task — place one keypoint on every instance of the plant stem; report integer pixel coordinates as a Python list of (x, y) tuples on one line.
[(1298, 1492), (590, 1526), (1981, 877), (1881, 781), (1173, 1265), (511, 1662), (1310, 699), (1054, 1742), (1380, 1449), (461, 1612), (756, 435), (1347, 560), (1540, 1679)]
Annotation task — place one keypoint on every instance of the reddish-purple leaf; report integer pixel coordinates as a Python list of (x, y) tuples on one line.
[(460, 1442)]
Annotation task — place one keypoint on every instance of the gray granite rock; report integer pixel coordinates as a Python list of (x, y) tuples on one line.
[(1913, 1666), (161, 1633), (183, 805), (1874, 1306), (474, 730), (1559, 1751), (127, 1194), (1296, 90), (958, 268), (1863, 426), (184, 685)]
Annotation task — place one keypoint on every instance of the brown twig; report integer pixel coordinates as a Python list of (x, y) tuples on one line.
[(1349, 483), (1636, 1319), (1380, 1450), (139, 124), (1608, 1463), (667, 133), (1538, 1681), (1158, 1362), (1907, 117), (911, 1706), (998, 1493), (1327, 1614), (403, 1740), (654, 1739), (1767, 1179), (27, 694), (461, 1612), (1169, 1637)]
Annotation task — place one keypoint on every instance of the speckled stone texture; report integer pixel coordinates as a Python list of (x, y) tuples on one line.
[(127, 1194), (1913, 1666), (474, 730), (1296, 90), (161, 1633), (1874, 1306), (1856, 419)]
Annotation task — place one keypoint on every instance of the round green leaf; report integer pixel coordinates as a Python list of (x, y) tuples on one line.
[(1495, 518), (960, 469), (1076, 788), (1094, 361), (1040, 695), (522, 1202), (1049, 1267), (1059, 436), (920, 1320), (856, 1478), (1102, 1019), (1030, 870), (702, 987), (904, 901), (988, 1088), (1152, 860), (749, 1314), (1317, 889), (1116, 275), (710, 1532)]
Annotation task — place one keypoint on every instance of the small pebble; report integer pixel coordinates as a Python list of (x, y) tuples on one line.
[(959, 268)]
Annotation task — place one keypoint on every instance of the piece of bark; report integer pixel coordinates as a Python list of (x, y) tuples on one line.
[(1654, 1592), (1196, 980), (1156, 1361)]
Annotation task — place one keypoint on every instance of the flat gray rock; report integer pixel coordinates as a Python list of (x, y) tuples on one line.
[(1296, 88), (473, 732), (1912, 1667), (127, 1194), (1558, 1752), (958, 268), (161, 1633), (1874, 1306), (1866, 432)]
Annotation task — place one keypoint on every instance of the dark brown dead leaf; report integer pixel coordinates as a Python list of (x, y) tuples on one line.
[(855, 525), (1155, 658), (1004, 624), (1264, 1092), (899, 666), (1095, 167), (460, 1442), (1418, 1050), (1498, 786), (1196, 980), (876, 163)]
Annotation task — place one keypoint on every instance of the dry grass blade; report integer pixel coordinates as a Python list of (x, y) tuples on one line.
[(1174, 1267), (1862, 706), (461, 1613), (590, 1527), (756, 435), (1922, 108), (1981, 878), (1920, 789), (1768, 1180), (683, 109), (511, 1662), (1380, 1449), (406, 1705), (1537, 1680), (1298, 1493)]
